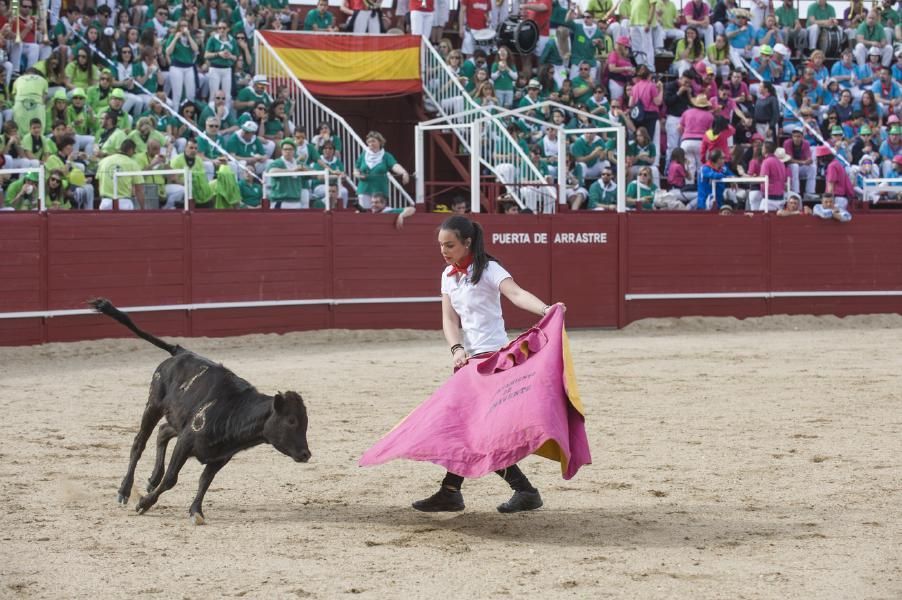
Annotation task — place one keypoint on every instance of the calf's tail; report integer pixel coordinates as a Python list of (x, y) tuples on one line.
[(106, 307)]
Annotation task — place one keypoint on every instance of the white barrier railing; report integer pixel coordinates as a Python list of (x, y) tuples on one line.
[(749, 179), (42, 206), (308, 113), (185, 173), (270, 175), (884, 185), (447, 95)]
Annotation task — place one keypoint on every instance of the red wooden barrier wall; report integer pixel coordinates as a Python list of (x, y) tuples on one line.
[(57, 261)]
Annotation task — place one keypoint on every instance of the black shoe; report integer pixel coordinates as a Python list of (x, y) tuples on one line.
[(521, 501), (444, 500)]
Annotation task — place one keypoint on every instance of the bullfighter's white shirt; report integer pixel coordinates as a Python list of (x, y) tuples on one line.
[(478, 306)]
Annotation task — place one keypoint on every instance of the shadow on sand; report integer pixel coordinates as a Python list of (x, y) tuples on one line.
[(664, 526)]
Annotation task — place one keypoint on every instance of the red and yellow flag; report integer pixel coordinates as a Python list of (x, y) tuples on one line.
[(351, 65)]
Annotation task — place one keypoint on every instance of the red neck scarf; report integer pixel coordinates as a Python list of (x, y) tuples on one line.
[(461, 268)]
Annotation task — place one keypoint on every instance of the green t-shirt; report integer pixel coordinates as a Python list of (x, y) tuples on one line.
[(818, 13), (125, 183), (82, 79), (239, 147), (598, 196), (124, 122), (112, 143), (83, 121), (98, 98), (249, 95), (668, 16), (583, 148), (645, 193), (640, 11), (871, 34), (504, 80), (140, 70), (141, 143), (318, 21), (374, 179), (214, 44), (786, 17), (209, 150), (207, 112), (582, 47), (182, 55), (200, 186), (251, 192), (287, 189), (578, 82), (633, 149), (599, 8)]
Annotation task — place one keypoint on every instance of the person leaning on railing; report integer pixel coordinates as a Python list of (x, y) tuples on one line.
[(372, 168)]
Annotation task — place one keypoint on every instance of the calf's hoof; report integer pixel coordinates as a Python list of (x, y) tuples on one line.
[(143, 505), (196, 518), (122, 499)]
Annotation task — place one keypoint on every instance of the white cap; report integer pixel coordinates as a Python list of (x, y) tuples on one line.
[(874, 51), (249, 126), (259, 79), (782, 49)]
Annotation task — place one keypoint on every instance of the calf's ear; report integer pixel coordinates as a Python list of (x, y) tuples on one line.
[(278, 403)]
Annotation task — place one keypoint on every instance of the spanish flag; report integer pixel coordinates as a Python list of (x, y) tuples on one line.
[(351, 65), (497, 410)]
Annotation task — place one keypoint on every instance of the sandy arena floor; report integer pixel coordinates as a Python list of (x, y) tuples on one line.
[(756, 459)]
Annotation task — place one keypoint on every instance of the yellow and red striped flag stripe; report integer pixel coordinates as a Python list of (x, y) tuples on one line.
[(349, 65)]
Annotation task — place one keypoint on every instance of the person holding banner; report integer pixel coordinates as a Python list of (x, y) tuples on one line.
[(472, 285)]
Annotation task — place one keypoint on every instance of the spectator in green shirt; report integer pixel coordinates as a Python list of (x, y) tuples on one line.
[(789, 23), (129, 188), (820, 14), (221, 53), (603, 193), (871, 34), (288, 192), (182, 51), (319, 18)]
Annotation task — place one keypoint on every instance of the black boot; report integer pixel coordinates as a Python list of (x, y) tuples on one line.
[(444, 500), (521, 500)]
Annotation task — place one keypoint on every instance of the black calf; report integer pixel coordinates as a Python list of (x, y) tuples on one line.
[(213, 413)]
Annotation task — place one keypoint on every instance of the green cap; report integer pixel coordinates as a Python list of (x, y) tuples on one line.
[(60, 95), (78, 93), (865, 130), (31, 176), (896, 129), (766, 50), (837, 130), (288, 142), (117, 93)]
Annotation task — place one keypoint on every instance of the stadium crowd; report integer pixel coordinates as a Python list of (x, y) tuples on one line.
[(705, 91)]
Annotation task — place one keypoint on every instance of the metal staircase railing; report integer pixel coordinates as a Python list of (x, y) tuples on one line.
[(499, 151)]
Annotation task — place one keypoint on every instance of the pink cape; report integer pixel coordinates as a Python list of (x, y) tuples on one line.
[(495, 411)]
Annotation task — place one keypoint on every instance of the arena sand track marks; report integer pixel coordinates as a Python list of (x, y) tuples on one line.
[(732, 460)]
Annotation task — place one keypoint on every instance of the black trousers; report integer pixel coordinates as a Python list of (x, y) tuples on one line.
[(512, 475)]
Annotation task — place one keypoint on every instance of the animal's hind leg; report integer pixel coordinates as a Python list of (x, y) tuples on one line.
[(206, 478), (152, 415), (165, 433), (180, 454)]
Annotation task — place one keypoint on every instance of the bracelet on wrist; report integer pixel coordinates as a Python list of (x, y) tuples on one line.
[(545, 310), (456, 347)]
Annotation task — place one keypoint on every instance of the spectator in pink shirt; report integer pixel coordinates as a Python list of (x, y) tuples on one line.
[(837, 180), (651, 95), (774, 169), (693, 125), (801, 162)]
